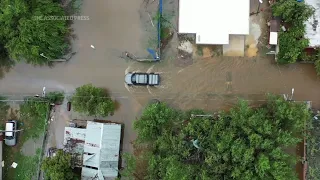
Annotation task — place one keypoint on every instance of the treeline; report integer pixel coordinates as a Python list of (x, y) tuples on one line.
[(26, 35), (244, 143)]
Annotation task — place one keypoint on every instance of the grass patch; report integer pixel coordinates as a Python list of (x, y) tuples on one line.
[(33, 117), (27, 165)]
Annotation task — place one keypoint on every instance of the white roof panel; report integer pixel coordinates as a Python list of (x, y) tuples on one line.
[(273, 39), (214, 20), (88, 173), (313, 28)]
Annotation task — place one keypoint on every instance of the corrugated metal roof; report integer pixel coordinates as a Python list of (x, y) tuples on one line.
[(312, 25), (101, 150)]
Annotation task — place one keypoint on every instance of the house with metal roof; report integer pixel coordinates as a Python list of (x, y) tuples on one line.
[(101, 148)]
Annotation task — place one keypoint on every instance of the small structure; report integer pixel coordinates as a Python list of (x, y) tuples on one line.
[(99, 146), (312, 25), (214, 20)]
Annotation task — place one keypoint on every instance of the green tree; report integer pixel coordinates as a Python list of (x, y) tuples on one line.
[(59, 167), (290, 47), (26, 33), (155, 118), (317, 66), (292, 42), (92, 101), (55, 97), (292, 11), (243, 143)]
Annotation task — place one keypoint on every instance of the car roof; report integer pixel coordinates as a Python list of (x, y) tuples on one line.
[(141, 78), (9, 127)]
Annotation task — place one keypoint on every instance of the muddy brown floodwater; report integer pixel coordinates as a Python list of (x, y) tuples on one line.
[(114, 27), (218, 82)]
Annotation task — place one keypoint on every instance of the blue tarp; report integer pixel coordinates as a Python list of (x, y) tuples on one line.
[(153, 53)]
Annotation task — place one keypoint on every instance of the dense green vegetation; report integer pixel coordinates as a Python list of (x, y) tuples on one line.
[(92, 101), (59, 167), (313, 150), (244, 143), (292, 42), (25, 34), (55, 97)]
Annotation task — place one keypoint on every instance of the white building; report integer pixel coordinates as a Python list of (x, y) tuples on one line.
[(312, 25), (212, 21)]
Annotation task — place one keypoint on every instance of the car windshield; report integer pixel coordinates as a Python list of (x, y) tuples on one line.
[(9, 137), (133, 78)]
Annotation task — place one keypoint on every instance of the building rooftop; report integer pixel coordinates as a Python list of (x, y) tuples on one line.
[(214, 20), (101, 150), (312, 25), (99, 146)]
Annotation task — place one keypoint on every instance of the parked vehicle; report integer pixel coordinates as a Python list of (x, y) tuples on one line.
[(142, 79), (10, 134)]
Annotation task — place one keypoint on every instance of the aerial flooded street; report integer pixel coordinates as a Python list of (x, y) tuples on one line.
[(115, 27)]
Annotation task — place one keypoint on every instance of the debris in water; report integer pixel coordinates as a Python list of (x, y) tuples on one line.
[(14, 165), (186, 46), (92, 46)]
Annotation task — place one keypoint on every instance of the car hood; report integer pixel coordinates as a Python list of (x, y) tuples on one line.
[(127, 78)]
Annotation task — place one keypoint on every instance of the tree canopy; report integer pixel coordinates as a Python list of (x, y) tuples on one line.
[(92, 101), (292, 42), (59, 167), (243, 143), (26, 34)]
